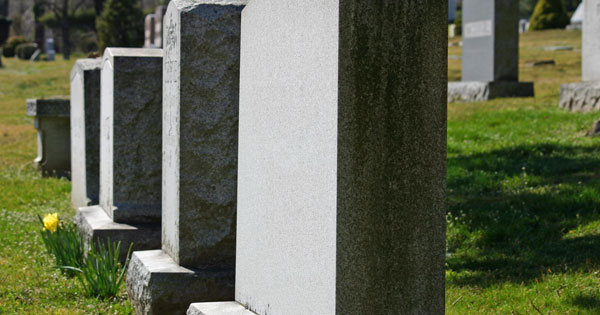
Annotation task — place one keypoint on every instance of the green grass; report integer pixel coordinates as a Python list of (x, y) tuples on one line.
[(523, 201), (28, 282), (523, 207)]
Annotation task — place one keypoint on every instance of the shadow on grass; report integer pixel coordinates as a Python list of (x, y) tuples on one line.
[(589, 302), (515, 213)]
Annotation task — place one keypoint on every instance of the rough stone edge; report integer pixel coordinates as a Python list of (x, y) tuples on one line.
[(155, 281), (94, 224), (218, 308), (475, 91), (580, 97)]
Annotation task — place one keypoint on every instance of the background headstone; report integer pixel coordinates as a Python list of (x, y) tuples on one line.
[(85, 132), (130, 151), (158, 25), (50, 53), (342, 155), (149, 31), (51, 119), (200, 119)]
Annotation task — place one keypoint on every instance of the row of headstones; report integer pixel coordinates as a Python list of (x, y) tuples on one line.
[(288, 155), (153, 28)]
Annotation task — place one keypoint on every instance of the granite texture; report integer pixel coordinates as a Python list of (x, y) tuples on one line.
[(94, 224), (590, 42), (580, 97), (158, 285), (201, 97), (131, 128), (218, 308), (342, 157), (484, 91), (490, 40), (50, 107), (51, 119), (85, 132)]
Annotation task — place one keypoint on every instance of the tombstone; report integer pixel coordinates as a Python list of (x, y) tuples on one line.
[(585, 96), (85, 132), (490, 67), (149, 35), (130, 151), (50, 53), (342, 159), (158, 25), (51, 119), (200, 119), (577, 18)]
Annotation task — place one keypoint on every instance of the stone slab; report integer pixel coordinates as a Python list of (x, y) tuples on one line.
[(580, 97), (94, 224), (218, 308), (484, 91), (131, 128), (85, 132), (156, 284), (342, 153)]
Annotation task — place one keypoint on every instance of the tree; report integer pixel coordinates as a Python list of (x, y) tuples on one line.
[(121, 24), (64, 11), (549, 14)]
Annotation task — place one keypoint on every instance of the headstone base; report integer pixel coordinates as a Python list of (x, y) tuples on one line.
[(476, 91), (156, 284), (94, 224), (580, 97), (219, 308)]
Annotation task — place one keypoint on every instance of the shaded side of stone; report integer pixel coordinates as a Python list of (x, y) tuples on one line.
[(391, 177), (580, 97), (157, 285)]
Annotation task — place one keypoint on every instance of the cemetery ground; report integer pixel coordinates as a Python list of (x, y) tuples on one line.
[(523, 201)]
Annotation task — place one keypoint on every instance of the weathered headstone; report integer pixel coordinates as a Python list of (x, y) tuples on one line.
[(51, 119), (585, 96), (342, 159), (200, 119), (85, 132), (130, 151), (149, 32), (158, 25), (50, 53), (490, 67)]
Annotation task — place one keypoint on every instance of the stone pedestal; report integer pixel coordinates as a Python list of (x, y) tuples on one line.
[(85, 132), (484, 91), (130, 150), (490, 60), (51, 119), (342, 158), (200, 119), (585, 96)]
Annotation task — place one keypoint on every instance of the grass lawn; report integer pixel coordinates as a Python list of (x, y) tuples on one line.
[(28, 283), (523, 202)]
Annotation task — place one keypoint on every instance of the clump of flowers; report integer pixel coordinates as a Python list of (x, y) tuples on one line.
[(62, 241)]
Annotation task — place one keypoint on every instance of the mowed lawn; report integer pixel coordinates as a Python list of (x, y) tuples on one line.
[(28, 282), (523, 201)]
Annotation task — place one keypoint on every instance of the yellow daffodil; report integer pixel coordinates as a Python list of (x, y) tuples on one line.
[(51, 222)]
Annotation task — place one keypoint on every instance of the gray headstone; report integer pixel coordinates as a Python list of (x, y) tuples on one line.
[(149, 31), (490, 40), (342, 157), (51, 119), (591, 41), (131, 128), (200, 119), (85, 132)]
